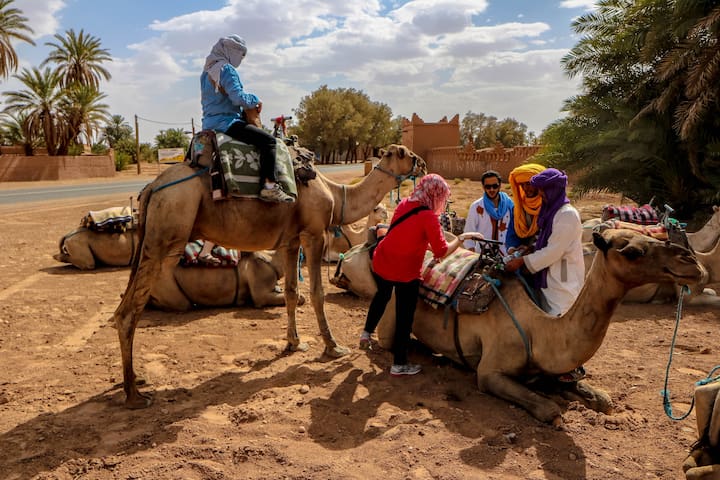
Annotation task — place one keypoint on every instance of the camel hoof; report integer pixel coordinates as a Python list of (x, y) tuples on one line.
[(300, 347), (301, 300), (138, 401), (337, 351), (558, 423)]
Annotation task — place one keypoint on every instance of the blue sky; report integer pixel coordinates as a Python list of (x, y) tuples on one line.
[(435, 58)]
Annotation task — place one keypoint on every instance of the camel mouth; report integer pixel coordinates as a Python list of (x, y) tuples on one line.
[(693, 276)]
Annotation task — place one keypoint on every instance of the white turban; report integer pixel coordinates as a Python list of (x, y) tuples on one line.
[(230, 49)]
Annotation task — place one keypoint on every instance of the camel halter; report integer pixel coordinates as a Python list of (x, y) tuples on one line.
[(413, 173)]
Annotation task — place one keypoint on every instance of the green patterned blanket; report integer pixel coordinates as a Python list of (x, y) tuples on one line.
[(241, 167)]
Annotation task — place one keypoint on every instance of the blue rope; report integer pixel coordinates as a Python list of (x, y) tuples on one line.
[(199, 172), (666, 392), (494, 283), (301, 260)]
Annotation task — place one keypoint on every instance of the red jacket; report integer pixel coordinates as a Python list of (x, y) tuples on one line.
[(399, 256)]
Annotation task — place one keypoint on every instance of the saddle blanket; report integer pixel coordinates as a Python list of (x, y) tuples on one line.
[(441, 279), (227, 257), (113, 219), (241, 167), (655, 231), (644, 215)]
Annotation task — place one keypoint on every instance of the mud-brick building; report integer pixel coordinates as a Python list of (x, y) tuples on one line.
[(439, 145)]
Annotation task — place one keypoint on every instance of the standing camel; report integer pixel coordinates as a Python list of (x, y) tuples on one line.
[(177, 206)]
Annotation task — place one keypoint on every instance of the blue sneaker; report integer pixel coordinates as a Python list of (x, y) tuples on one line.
[(407, 369)]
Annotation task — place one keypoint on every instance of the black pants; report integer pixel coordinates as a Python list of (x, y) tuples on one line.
[(265, 142), (406, 296)]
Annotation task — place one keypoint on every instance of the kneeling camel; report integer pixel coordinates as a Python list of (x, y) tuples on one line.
[(491, 344)]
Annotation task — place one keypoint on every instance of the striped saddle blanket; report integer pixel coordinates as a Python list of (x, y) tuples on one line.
[(643, 215), (227, 257), (440, 280)]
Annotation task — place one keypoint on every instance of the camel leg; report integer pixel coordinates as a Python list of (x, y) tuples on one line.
[(79, 254), (313, 250), (507, 388), (290, 254), (262, 286), (126, 318), (593, 398), (166, 293)]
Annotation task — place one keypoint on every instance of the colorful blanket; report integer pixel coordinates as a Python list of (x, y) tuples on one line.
[(227, 257), (644, 215), (656, 231), (114, 219), (441, 279), (241, 167)]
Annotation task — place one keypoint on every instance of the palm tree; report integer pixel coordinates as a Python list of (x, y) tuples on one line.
[(116, 129), (79, 58), (16, 130), (82, 116), (12, 26), (39, 101)]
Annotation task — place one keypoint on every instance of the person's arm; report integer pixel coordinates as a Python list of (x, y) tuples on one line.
[(563, 233), (230, 81), (472, 224)]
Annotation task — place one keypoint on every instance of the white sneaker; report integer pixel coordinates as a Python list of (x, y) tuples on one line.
[(365, 343), (275, 194), (407, 369)]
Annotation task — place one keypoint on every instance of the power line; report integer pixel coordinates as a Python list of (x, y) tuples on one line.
[(161, 123)]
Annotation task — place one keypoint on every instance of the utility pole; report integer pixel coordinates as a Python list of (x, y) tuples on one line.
[(137, 145), (192, 122)]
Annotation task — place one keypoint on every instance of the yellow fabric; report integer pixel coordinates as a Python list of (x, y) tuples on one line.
[(524, 205)]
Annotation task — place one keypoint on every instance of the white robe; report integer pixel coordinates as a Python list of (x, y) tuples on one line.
[(563, 255), (479, 220)]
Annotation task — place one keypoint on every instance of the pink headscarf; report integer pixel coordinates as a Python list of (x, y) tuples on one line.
[(432, 191)]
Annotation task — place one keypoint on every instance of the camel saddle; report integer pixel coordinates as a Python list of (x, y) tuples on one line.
[(704, 459), (239, 164), (109, 220), (643, 215)]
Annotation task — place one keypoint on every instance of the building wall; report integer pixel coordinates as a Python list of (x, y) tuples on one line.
[(19, 168), (438, 144)]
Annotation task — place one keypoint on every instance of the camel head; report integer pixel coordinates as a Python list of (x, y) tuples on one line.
[(379, 214), (636, 259), (401, 162)]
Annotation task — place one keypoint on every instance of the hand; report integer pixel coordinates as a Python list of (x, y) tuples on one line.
[(471, 236), (514, 264)]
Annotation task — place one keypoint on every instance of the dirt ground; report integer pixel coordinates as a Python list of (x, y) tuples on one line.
[(229, 403)]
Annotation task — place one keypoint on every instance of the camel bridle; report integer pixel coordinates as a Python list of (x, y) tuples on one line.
[(399, 178)]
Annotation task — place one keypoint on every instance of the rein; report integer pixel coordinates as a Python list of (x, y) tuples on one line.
[(494, 284), (665, 392)]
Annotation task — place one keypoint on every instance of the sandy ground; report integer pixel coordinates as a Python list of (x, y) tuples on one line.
[(230, 404)]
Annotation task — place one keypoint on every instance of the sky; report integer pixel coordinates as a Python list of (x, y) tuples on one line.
[(435, 58)]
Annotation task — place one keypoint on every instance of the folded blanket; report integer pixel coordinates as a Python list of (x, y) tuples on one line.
[(241, 167), (441, 279), (109, 219), (656, 231), (644, 215)]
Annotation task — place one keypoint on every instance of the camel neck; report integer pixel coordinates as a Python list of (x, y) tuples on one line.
[(353, 202)]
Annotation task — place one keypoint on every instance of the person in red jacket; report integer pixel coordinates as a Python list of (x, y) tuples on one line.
[(397, 264)]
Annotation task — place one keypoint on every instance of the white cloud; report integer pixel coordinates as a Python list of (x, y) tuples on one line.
[(586, 4), (42, 15)]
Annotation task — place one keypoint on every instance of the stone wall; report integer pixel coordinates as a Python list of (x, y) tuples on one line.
[(20, 168)]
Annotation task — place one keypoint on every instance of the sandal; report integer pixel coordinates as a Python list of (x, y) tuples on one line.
[(572, 376), (208, 259)]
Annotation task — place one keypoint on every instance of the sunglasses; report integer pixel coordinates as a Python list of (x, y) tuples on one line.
[(494, 186)]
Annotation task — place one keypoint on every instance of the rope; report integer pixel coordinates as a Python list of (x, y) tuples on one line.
[(709, 379), (494, 284), (301, 259), (199, 172)]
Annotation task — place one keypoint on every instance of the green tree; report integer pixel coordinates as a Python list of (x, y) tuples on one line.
[(39, 101), (79, 58), (485, 131), (117, 129), (16, 130), (625, 123), (82, 116), (13, 26), (336, 122), (172, 138)]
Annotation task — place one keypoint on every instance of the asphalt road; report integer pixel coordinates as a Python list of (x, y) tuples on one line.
[(61, 192)]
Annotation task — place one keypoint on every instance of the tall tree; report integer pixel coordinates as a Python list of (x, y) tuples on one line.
[(13, 26), (81, 117), (116, 129), (486, 131), (79, 58), (39, 101)]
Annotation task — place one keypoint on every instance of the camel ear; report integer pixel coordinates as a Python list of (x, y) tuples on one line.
[(402, 151), (600, 242), (383, 152)]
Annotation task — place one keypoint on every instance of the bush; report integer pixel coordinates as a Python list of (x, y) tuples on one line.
[(99, 149), (121, 161)]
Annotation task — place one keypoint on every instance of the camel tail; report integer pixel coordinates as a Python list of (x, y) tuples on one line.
[(143, 202)]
